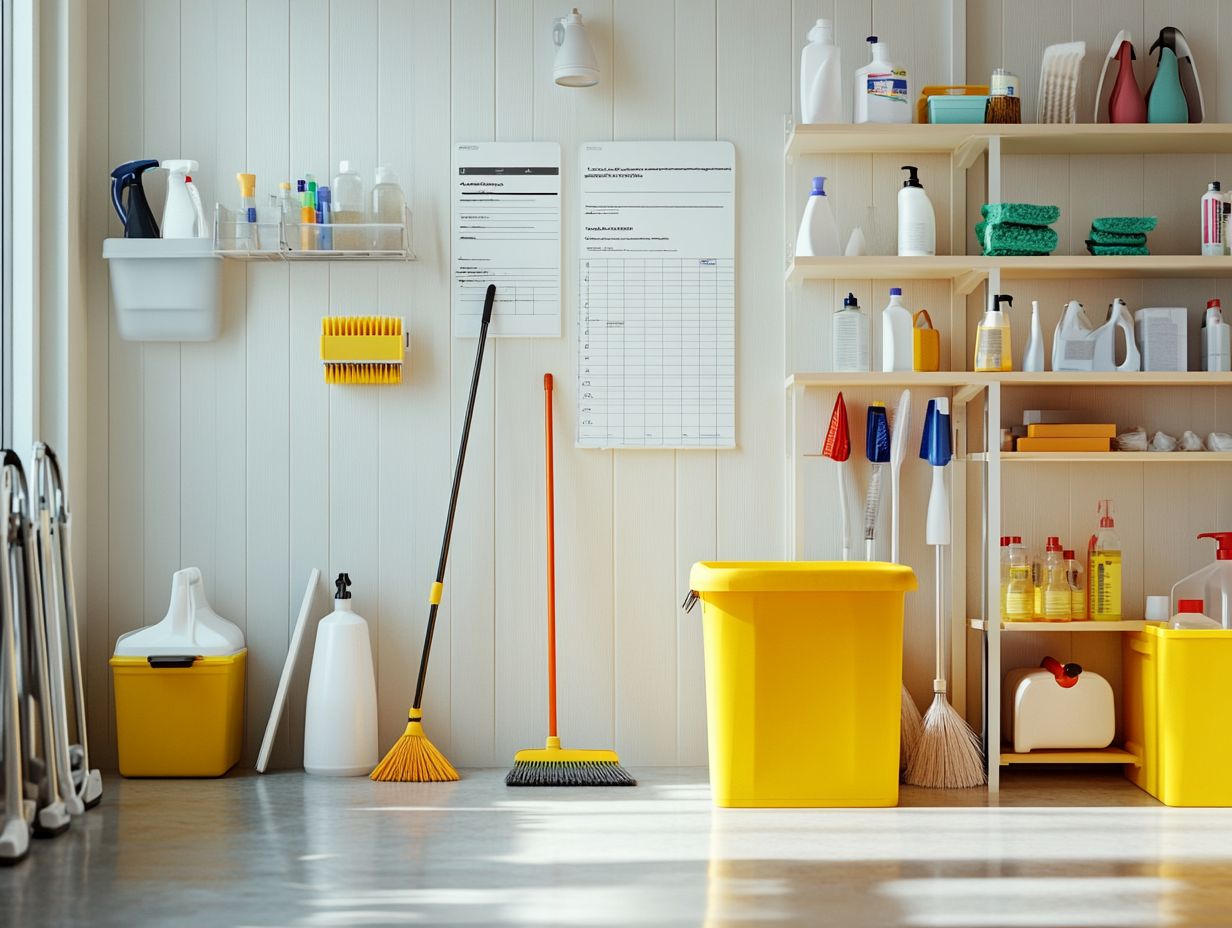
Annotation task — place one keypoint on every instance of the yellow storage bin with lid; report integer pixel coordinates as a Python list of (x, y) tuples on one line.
[(1177, 686), (803, 681), (179, 689)]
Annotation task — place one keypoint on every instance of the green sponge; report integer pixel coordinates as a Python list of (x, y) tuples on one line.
[(1024, 214), (1117, 238), (1013, 238), (1125, 225), (1097, 249)]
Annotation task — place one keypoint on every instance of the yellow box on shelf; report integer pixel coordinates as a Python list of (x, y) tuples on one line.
[(1091, 430), (363, 349), (1062, 444)]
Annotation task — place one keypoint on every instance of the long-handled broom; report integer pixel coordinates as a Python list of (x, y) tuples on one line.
[(555, 766), (413, 758), (948, 754)]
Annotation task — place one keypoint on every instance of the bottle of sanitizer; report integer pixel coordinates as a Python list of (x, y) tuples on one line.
[(1216, 339), (917, 223)]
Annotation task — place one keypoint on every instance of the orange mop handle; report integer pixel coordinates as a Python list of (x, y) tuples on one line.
[(551, 518)]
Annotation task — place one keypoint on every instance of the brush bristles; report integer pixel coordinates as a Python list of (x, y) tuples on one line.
[(948, 755), (361, 325), (911, 727), (414, 759), (568, 773), (343, 373)]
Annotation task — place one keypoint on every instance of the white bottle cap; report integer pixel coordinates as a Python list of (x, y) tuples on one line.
[(385, 175), (344, 167)]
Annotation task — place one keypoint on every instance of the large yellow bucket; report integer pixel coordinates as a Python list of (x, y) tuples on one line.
[(803, 681), (1178, 686), (179, 717)]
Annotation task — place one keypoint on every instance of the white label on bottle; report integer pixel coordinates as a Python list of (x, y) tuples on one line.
[(988, 355)]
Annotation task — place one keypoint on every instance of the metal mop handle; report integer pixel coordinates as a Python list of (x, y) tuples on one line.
[(551, 530), (438, 585)]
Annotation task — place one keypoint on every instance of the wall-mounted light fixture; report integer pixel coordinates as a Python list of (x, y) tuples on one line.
[(575, 64)]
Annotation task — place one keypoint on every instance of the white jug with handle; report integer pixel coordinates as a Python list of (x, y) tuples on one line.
[(575, 64), (1076, 346)]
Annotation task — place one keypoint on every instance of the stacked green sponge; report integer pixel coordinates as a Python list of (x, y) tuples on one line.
[(1017, 229), (1120, 235)]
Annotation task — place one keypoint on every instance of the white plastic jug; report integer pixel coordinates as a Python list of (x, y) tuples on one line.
[(1212, 584), (340, 738), (190, 627), (1076, 346), (1057, 706)]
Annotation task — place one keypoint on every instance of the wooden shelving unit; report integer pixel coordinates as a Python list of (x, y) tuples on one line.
[(1083, 627), (1111, 755), (1109, 457)]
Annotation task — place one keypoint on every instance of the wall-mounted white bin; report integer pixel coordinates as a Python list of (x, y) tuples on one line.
[(165, 289)]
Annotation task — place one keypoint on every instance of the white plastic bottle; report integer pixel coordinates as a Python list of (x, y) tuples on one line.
[(1212, 220), (917, 223), (340, 738), (348, 204), (1189, 615), (818, 236), (896, 334), (179, 215), (992, 338), (1216, 339), (850, 337), (1212, 584), (1033, 358), (388, 207), (882, 90), (821, 72)]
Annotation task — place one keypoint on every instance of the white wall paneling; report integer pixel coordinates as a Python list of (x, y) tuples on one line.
[(234, 456)]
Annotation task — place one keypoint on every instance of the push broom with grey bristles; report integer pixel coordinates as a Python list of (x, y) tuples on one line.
[(948, 754), (553, 765), (413, 758)]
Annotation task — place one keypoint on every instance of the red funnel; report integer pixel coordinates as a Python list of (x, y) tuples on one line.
[(838, 438)]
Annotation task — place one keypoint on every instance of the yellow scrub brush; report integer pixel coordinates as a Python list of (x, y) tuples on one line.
[(363, 349)]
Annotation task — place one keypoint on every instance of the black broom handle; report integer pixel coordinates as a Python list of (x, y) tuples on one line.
[(453, 494)]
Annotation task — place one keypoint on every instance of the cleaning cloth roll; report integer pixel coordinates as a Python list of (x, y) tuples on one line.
[(1126, 225), (1023, 214), (1116, 238), (1097, 249), (1013, 238)]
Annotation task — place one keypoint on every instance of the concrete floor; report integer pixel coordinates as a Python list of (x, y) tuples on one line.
[(290, 850)]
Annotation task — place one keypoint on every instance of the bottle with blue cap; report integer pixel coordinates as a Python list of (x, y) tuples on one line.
[(850, 337), (896, 334), (818, 236)]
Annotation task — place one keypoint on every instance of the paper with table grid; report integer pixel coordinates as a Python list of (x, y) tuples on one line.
[(656, 317)]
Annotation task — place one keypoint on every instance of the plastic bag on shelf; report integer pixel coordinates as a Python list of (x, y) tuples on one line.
[(1134, 440)]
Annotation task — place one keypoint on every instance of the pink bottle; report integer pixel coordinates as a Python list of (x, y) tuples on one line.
[(1126, 103)]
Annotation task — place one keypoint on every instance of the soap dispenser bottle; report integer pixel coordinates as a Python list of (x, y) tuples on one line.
[(1212, 585), (340, 738), (992, 338), (917, 223), (850, 337)]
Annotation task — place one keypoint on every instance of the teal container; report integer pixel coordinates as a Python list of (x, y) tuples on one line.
[(957, 109)]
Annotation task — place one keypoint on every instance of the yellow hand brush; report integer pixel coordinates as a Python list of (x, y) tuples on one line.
[(363, 349)]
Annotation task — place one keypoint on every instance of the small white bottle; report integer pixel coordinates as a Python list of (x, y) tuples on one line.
[(1212, 220), (1033, 358), (917, 223), (340, 718), (882, 90), (388, 207), (850, 337), (818, 236), (179, 215), (1216, 339), (896, 334), (821, 70), (348, 203)]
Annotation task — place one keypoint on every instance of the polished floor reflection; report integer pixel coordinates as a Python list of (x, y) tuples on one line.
[(1083, 849)]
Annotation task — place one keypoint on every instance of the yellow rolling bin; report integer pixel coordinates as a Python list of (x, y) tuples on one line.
[(1178, 682), (803, 681)]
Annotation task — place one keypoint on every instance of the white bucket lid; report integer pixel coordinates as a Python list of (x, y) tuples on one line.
[(190, 626)]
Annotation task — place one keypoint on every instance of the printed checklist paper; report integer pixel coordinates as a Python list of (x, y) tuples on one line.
[(656, 319), (506, 231)]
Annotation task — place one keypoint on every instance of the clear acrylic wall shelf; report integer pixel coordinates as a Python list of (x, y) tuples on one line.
[(272, 238)]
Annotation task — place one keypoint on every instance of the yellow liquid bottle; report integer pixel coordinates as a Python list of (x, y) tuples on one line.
[(1057, 601), (1104, 569)]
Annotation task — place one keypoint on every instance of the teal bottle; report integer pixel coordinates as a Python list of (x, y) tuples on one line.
[(1165, 101)]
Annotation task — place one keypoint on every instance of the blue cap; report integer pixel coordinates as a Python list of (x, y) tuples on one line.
[(299, 186), (935, 442), (323, 195), (871, 39), (819, 187), (896, 291)]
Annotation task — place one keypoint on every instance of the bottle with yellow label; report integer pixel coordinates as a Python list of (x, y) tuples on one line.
[(1104, 569), (1019, 590)]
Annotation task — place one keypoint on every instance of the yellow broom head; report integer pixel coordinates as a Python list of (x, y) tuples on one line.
[(413, 758)]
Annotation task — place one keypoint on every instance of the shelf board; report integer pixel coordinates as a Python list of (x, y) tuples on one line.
[(1110, 457), (855, 379), (1128, 625), (1112, 379), (970, 141), (241, 255), (968, 271), (977, 381), (1111, 755)]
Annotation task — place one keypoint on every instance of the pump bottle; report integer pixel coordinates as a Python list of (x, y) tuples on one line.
[(1212, 220), (818, 236), (917, 223), (897, 334), (1216, 339), (992, 338), (850, 337), (1104, 569), (1212, 584), (882, 90)]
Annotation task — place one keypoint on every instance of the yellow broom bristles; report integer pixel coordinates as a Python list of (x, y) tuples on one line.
[(343, 373), (414, 759)]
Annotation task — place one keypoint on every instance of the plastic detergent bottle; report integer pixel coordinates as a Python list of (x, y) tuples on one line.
[(818, 236), (1189, 614), (992, 338), (348, 203), (1104, 568), (882, 90), (897, 352), (917, 223), (1005, 568), (850, 337), (1212, 220), (1212, 584), (1216, 339), (821, 72), (1057, 604), (1077, 598), (1019, 592)]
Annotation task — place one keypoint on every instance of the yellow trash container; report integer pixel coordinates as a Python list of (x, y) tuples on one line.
[(1178, 682), (803, 681)]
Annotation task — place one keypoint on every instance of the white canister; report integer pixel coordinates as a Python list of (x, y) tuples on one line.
[(1003, 84)]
